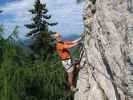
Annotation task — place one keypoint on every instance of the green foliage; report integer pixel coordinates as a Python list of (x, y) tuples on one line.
[(39, 30), (25, 78), (1, 28), (22, 78), (76, 53), (14, 33)]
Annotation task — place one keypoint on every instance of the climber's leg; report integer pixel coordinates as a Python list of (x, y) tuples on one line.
[(77, 66), (71, 79), (71, 76), (76, 63), (70, 69)]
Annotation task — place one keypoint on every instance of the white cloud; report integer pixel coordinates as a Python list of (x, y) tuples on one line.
[(18, 6), (19, 11)]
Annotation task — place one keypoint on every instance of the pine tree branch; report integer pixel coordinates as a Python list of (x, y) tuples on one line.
[(31, 26), (45, 11), (52, 24), (32, 32), (44, 6), (47, 16), (37, 18), (32, 11)]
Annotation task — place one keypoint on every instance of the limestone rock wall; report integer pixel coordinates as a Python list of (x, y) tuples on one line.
[(107, 62)]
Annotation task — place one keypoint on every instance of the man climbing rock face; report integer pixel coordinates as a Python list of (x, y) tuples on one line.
[(64, 54)]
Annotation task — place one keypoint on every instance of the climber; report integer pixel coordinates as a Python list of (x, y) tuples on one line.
[(64, 54)]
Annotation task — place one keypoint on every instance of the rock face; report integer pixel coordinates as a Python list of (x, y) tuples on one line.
[(107, 61)]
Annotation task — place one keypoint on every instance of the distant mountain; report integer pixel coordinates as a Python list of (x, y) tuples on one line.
[(71, 37)]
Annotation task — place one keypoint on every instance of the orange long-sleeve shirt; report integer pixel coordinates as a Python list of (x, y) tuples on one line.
[(62, 50)]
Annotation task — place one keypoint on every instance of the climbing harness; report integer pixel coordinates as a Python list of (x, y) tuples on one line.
[(73, 63)]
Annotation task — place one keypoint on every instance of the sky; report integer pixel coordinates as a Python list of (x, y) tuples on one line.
[(68, 14)]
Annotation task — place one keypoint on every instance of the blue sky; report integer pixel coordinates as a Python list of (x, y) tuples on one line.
[(67, 13), (3, 1)]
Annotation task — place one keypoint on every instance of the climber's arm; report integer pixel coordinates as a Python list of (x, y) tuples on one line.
[(68, 42), (77, 40), (73, 42), (67, 46)]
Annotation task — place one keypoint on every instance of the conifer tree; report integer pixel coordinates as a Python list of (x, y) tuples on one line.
[(1, 26), (39, 29)]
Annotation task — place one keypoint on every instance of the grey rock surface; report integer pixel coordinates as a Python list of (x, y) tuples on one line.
[(107, 62)]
